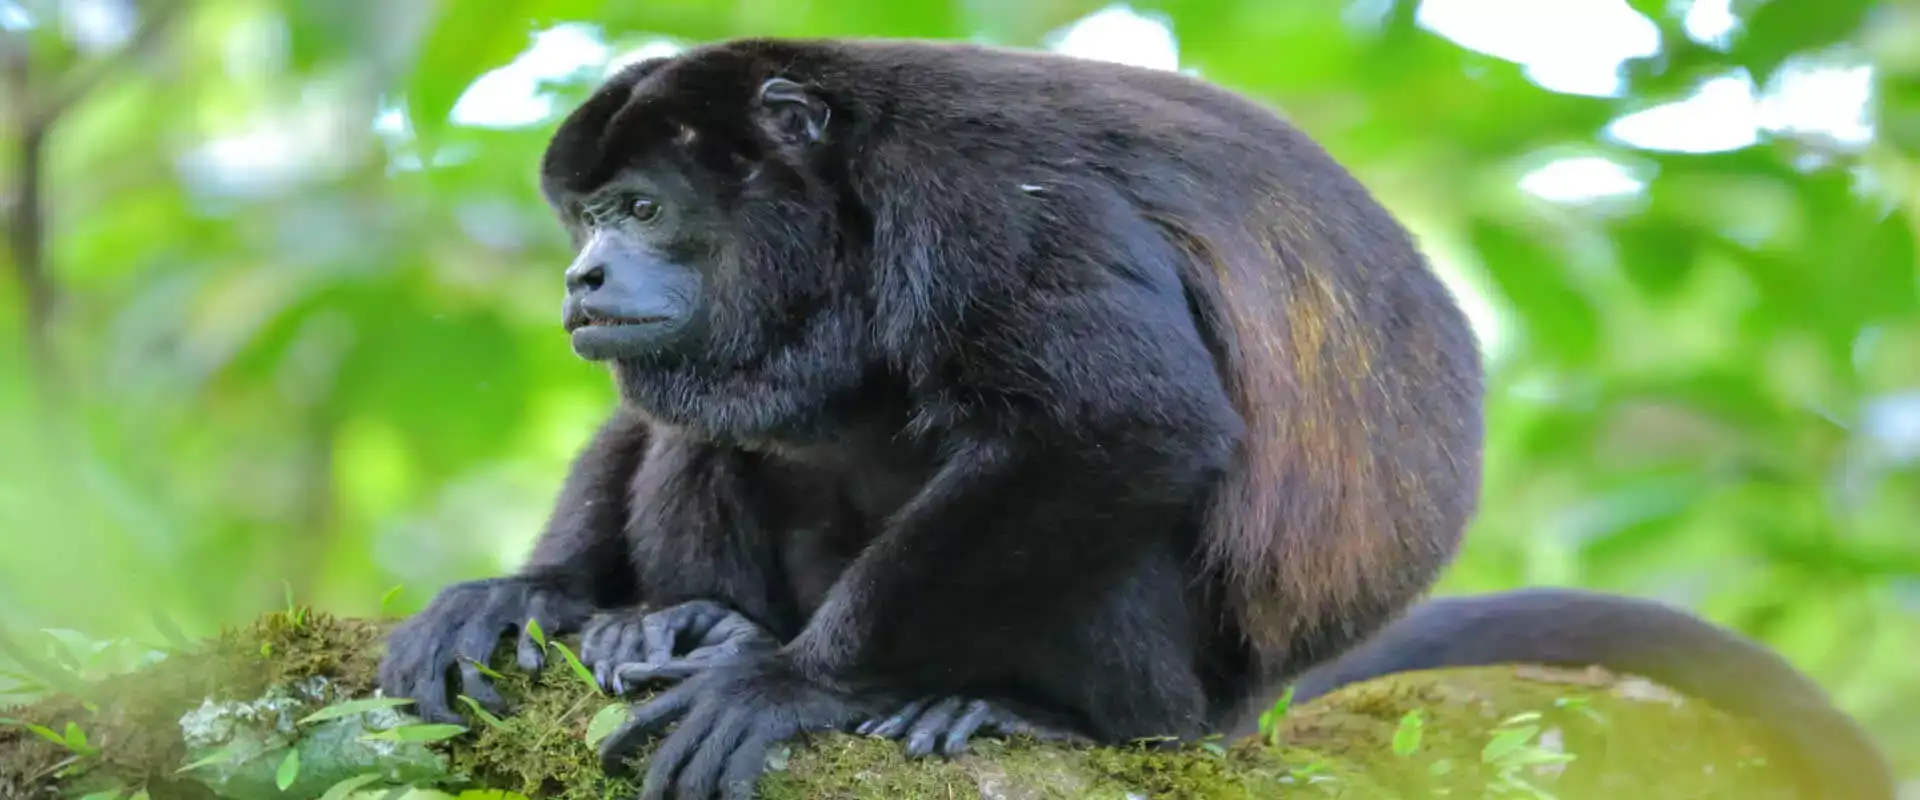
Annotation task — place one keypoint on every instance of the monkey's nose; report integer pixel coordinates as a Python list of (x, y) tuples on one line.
[(586, 279)]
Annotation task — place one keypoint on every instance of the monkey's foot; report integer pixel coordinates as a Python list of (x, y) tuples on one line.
[(729, 717), (462, 626), (946, 725), (629, 648)]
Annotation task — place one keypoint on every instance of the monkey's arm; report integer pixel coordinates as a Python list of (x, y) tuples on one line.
[(993, 569), (1574, 628), (703, 547), (578, 564)]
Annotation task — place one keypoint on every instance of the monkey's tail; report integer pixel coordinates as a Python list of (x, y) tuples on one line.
[(1829, 753)]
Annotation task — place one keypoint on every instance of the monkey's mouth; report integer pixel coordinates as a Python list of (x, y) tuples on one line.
[(604, 323), (607, 338)]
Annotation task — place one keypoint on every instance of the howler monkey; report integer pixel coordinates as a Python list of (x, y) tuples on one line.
[(1043, 393)]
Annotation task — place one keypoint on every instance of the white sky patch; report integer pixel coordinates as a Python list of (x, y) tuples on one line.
[(1568, 46), (510, 96), (1580, 178), (1710, 22), (14, 18), (1120, 35)]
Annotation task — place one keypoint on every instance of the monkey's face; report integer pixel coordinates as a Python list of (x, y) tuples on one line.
[(637, 287), (711, 270)]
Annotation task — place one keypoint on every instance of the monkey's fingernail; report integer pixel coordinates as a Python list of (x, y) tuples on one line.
[(865, 728), (919, 745)]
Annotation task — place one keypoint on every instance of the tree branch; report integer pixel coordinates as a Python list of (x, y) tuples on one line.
[(38, 112)]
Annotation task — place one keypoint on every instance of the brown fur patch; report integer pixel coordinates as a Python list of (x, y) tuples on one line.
[(1325, 503)]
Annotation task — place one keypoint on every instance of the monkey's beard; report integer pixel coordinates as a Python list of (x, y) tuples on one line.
[(804, 391)]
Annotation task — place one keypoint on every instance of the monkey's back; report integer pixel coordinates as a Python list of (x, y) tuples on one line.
[(1356, 373)]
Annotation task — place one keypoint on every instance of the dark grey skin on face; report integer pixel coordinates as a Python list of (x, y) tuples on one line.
[(627, 297)]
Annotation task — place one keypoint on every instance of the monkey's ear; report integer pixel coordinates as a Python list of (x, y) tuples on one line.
[(790, 114)]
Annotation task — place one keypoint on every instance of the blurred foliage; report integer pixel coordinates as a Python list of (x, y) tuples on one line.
[(276, 320)]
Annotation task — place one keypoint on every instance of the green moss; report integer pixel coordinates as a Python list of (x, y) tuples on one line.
[(133, 719), (1626, 738)]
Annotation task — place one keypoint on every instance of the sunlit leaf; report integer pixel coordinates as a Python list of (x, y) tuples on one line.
[(289, 770), (425, 732), (350, 708), (604, 721)]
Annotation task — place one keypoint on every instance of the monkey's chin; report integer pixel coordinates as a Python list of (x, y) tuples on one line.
[(629, 340)]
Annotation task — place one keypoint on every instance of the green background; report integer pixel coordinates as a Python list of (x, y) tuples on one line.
[(280, 313)]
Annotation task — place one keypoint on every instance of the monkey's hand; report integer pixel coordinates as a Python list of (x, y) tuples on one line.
[(946, 725), (630, 647), (730, 716), (462, 625)]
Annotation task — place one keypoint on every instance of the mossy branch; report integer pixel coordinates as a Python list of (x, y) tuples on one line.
[(286, 708)]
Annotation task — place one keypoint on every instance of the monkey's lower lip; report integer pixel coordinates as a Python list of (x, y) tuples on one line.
[(603, 340)]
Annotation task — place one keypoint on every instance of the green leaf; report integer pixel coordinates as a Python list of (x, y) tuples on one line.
[(1506, 742), (386, 600), (352, 707), (1270, 718), (1406, 738), (110, 794), (220, 755), (605, 721), (425, 732), (586, 675), (339, 791), (289, 770), (38, 730), (76, 740), (534, 632), (483, 669), (478, 710)]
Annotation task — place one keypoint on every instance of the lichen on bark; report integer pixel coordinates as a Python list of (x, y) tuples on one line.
[(241, 703)]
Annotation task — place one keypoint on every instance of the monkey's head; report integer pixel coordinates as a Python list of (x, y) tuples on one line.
[(712, 268)]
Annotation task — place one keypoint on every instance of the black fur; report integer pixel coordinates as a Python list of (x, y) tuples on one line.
[(1826, 749), (1091, 396)]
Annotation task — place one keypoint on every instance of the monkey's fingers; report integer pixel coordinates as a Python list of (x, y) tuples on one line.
[(557, 615), (472, 648), (738, 633), (701, 771), (598, 637), (663, 629), (418, 664), (927, 731), (978, 713), (744, 768), (627, 676), (474, 685), (645, 721), (610, 641), (896, 725), (627, 648), (666, 763)]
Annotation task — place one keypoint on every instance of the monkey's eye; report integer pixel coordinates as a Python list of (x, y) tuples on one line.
[(644, 209)]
